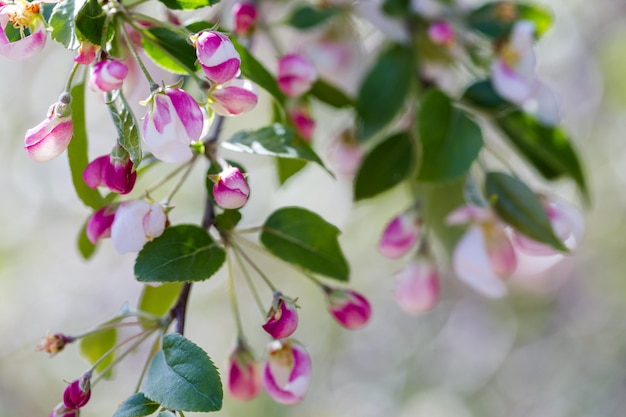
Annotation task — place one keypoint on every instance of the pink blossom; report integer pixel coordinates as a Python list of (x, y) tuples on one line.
[(217, 55), (244, 374), (441, 33), (136, 222), (111, 171), (86, 53), (348, 307), (282, 318), (234, 98), (107, 75), (245, 16), (417, 286), (18, 17), (287, 372), (174, 121), (345, 154), (77, 393), (296, 75), (302, 121), (51, 137), (400, 235), (231, 190), (99, 224), (62, 411)]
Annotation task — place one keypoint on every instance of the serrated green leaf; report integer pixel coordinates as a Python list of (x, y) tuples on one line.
[(385, 166), (496, 19), (77, 151), (169, 50), (483, 95), (63, 24), (95, 345), (158, 300), (301, 237), (227, 220), (182, 377), (287, 168), (256, 72), (520, 207), (137, 405), (188, 4), (90, 22), (547, 148), (329, 94), (384, 90), (126, 126), (182, 253), (450, 140), (307, 17)]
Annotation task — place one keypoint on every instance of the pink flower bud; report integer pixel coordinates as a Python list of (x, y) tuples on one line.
[(135, 223), (235, 98), (107, 75), (296, 75), (174, 121), (346, 154), (282, 318), (113, 171), (348, 307), (217, 55), (417, 286), (99, 224), (51, 137), (77, 393), (400, 234), (441, 33), (62, 411), (302, 121), (245, 16), (287, 372), (244, 374), (86, 53), (231, 190), (20, 16)]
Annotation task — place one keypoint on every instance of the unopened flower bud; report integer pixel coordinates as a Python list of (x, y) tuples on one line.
[(100, 223), (441, 33), (287, 372), (54, 343), (107, 75), (348, 307), (78, 392), (235, 98), (114, 171), (51, 137), (86, 53), (136, 222), (417, 286), (231, 190), (245, 16), (302, 121), (296, 75), (400, 234), (282, 318), (217, 55), (244, 374)]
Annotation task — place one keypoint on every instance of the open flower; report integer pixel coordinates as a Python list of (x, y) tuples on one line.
[(244, 373), (26, 28), (107, 75), (282, 317), (348, 307), (287, 372), (296, 75), (100, 223), (234, 98), (217, 55), (231, 190), (136, 222), (51, 137), (174, 121), (417, 286), (400, 234)]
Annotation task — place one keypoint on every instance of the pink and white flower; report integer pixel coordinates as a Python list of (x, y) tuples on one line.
[(114, 171), (244, 374), (417, 286), (301, 119), (401, 234), (484, 256), (296, 75), (86, 53), (51, 137), (349, 308), (107, 75), (99, 224), (441, 33), (234, 98), (136, 222), (282, 317), (230, 190), (345, 154), (245, 15), (217, 55), (173, 122), (287, 372), (20, 17)]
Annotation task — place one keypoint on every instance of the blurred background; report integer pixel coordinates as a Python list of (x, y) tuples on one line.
[(555, 347)]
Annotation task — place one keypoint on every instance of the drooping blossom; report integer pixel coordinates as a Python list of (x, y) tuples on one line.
[(296, 75), (217, 55), (245, 15), (230, 190), (107, 75), (78, 392), (114, 171), (86, 53), (417, 286), (349, 308), (100, 223), (282, 317), (62, 411), (52, 136), (400, 234), (484, 256), (441, 33), (234, 98), (173, 122), (136, 222), (19, 17), (287, 372), (302, 121), (244, 373)]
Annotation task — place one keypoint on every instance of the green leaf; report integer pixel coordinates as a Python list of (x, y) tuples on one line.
[(126, 126), (158, 300), (287, 168), (520, 207), (496, 19), (188, 4), (450, 140), (85, 247), (169, 50), (547, 148), (483, 95), (307, 17), (385, 166), (77, 151), (137, 405), (90, 22), (384, 90), (397, 8), (95, 345), (331, 95), (227, 220), (182, 253), (63, 24), (257, 73), (182, 377), (303, 238)]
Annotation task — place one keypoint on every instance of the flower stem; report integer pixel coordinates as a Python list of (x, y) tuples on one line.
[(182, 179), (133, 51), (70, 78), (254, 266), (253, 290), (233, 299)]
